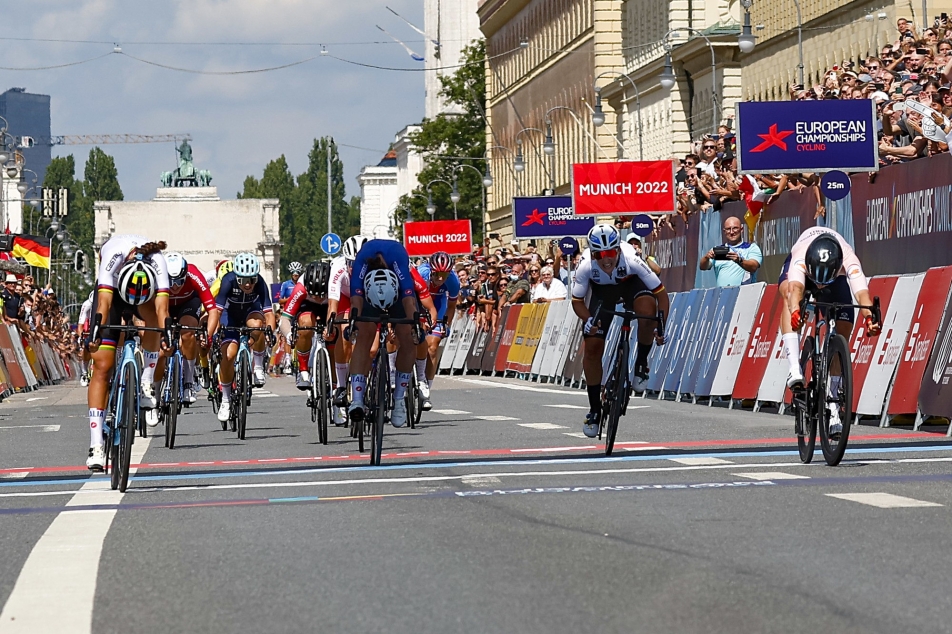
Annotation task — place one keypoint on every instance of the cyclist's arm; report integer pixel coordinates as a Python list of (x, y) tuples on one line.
[(427, 303), (450, 310)]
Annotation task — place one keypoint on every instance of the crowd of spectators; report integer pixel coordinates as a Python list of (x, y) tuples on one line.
[(36, 313)]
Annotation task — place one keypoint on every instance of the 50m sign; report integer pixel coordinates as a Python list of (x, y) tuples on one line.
[(626, 187)]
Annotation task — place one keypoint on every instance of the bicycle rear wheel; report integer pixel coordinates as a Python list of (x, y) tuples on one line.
[(805, 417), (412, 400), (320, 382), (241, 401), (127, 427), (112, 460), (840, 401), (174, 375)]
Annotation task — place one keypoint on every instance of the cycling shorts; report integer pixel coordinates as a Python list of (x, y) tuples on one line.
[(836, 293), (606, 296), (119, 312), (439, 330), (190, 308), (238, 316), (319, 311)]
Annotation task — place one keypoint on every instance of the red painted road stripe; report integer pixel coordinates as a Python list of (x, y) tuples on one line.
[(482, 452)]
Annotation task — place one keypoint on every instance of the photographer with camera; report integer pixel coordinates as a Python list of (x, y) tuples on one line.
[(735, 262)]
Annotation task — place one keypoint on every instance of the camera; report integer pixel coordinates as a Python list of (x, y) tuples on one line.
[(922, 51), (721, 251), (494, 236)]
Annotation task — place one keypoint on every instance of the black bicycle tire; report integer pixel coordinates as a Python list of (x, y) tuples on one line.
[(127, 430), (806, 444), (321, 394), (410, 397), (241, 400), (113, 460), (618, 383), (837, 347), (175, 376), (380, 413)]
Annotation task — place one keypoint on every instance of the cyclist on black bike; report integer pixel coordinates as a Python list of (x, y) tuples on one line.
[(611, 272), (822, 264), (381, 276), (307, 306), (443, 287)]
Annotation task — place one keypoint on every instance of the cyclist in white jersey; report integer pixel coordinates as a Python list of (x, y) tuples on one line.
[(610, 272), (338, 304), (82, 326)]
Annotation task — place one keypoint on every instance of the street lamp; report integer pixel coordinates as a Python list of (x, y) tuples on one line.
[(746, 41), (549, 145), (431, 207), (598, 116), (799, 42), (487, 183), (454, 195), (667, 75), (518, 163)]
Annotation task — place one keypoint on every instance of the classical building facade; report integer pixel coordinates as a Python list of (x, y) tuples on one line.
[(378, 196), (198, 224), (450, 25)]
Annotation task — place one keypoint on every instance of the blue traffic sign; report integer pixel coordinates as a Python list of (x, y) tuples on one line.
[(642, 225), (835, 185), (330, 243), (568, 245)]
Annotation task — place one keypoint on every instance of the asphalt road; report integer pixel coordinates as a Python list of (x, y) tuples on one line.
[(495, 516)]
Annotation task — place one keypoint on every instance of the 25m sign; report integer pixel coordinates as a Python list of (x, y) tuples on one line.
[(426, 238), (626, 187)]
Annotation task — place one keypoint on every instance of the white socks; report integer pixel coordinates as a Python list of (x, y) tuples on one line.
[(148, 372), (359, 384), (403, 380), (791, 345), (96, 419), (259, 359), (342, 369), (421, 369)]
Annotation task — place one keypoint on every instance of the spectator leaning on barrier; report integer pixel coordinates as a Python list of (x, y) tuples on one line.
[(12, 302), (735, 262), (636, 241), (549, 289), (520, 291)]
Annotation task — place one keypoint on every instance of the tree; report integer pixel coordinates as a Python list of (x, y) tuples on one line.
[(456, 135)]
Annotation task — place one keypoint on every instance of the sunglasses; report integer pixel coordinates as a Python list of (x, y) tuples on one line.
[(535, 271), (601, 255), (710, 147), (245, 281), (872, 67)]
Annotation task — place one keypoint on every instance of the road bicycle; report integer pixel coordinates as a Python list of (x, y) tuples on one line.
[(379, 398), (414, 399), (173, 383), (824, 358), (244, 378), (213, 386), (617, 391), (123, 413), (320, 397)]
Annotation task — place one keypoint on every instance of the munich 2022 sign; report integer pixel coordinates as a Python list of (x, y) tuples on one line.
[(776, 137), (624, 187)]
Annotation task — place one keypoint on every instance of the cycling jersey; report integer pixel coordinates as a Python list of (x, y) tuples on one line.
[(339, 285), (301, 302), (113, 256), (287, 287), (629, 265), (195, 286), (447, 291), (396, 258), (421, 288), (851, 268), (84, 313), (231, 296)]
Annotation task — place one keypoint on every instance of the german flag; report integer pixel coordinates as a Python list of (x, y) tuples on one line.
[(34, 249)]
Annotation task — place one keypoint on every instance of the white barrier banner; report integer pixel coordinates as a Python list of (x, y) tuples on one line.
[(465, 342), (738, 332), (889, 345), (450, 346), (683, 339), (571, 327), (20, 354), (548, 343), (775, 376)]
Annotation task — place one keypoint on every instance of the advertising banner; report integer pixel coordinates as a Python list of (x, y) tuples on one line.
[(11, 359), (676, 251), (739, 330), (474, 360), (548, 217), (489, 358), (713, 347), (623, 187), (571, 327), (683, 340), (450, 346), (765, 328), (902, 221), (863, 348), (935, 395), (508, 336), (549, 339), (926, 316), (775, 137), (660, 356), (426, 238), (572, 369), (889, 345), (704, 333), (466, 340)]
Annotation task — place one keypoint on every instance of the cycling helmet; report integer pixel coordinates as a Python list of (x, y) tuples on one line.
[(441, 262), (353, 245), (246, 265), (603, 238), (224, 268), (382, 286), (316, 277), (824, 259), (137, 282), (295, 267), (178, 268)]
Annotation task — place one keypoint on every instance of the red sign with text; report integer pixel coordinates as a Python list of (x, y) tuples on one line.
[(426, 238), (625, 187)]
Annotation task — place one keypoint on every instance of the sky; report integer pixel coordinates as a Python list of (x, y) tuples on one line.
[(238, 122)]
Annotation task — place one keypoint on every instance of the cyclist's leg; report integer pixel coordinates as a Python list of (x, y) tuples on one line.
[(258, 343), (405, 359), (839, 293), (98, 390), (791, 339), (187, 315), (360, 362), (342, 354), (302, 349)]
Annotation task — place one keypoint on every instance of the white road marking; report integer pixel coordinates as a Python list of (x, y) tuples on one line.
[(882, 500), (542, 426), (519, 388), (575, 434), (495, 418), (39, 428), (36, 398), (57, 585), (16, 475), (449, 412), (564, 406), (771, 475), (480, 480), (700, 461)]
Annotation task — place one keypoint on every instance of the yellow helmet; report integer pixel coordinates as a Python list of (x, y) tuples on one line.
[(225, 267)]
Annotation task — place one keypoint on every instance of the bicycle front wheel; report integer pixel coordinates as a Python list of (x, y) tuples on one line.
[(241, 401), (805, 417), (320, 386), (127, 426), (380, 401), (171, 419), (836, 401), (412, 400), (615, 390)]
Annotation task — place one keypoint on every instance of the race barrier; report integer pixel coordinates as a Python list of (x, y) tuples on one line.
[(725, 343)]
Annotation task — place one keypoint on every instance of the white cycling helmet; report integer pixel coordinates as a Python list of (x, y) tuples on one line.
[(137, 282), (603, 238), (352, 246), (382, 286), (246, 265), (295, 267), (177, 266)]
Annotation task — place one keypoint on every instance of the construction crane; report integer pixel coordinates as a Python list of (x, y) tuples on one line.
[(101, 139)]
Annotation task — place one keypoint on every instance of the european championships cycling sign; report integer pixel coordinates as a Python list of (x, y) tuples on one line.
[(776, 137)]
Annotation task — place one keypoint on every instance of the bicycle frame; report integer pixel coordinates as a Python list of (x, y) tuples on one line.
[(117, 392)]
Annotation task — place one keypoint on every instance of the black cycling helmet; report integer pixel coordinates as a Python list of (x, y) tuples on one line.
[(316, 277), (824, 259)]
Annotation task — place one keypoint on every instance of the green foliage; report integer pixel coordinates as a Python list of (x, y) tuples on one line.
[(456, 135), (303, 214)]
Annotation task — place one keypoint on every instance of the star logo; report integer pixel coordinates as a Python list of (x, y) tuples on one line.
[(535, 218), (773, 138)]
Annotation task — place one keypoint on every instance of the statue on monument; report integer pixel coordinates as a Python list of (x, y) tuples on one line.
[(185, 175)]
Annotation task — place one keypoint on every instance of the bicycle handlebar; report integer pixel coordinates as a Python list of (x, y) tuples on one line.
[(874, 308), (631, 316)]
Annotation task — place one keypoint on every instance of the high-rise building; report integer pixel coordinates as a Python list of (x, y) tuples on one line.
[(450, 26), (29, 115)]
